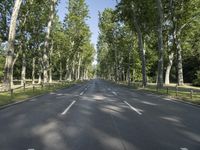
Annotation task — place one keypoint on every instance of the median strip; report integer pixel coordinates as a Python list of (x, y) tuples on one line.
[(67, 109), (134, 109)]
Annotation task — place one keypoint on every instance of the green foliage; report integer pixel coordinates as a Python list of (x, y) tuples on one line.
[(197, 80)]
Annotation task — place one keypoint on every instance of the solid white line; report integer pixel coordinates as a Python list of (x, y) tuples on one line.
[(134, 109), (67, 109)]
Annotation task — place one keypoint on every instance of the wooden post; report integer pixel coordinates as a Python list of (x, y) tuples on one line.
[(33, 89), (11, 93), (191, 94), (176, 90), (24, 86), (167, 90), (42, 85)]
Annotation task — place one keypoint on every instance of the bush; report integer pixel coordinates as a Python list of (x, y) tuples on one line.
[(197, 80)]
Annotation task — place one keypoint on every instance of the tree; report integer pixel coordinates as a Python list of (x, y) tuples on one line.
[(47, 38), (8, 69)]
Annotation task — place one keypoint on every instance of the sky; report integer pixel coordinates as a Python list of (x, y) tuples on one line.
[(94, 7)]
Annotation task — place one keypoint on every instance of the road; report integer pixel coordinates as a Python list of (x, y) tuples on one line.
[(98, 115)]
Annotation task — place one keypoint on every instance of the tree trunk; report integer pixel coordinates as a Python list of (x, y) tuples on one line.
[(160, 43), (79, 69), (129, 79), (169, 66), (23, 73), (142, 51), (8, 68), (40, 71), (179, 63), (50, 63), (33, 70), (13, 63), (61, 71), (46, 47)]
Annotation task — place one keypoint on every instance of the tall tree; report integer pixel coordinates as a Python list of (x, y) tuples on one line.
[(47, 40), (8, 69)]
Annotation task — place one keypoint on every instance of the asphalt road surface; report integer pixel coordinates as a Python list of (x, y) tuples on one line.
[(98, 115)]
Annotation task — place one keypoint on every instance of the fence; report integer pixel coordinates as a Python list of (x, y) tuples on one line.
[(35, 87)]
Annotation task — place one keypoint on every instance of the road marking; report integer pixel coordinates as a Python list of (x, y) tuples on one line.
[(114, 93), (82, 93), (67, 109), (134, 109), (184, 148), (31, 149)]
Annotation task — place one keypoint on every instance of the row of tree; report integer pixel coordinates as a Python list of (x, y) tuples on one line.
[(35, 44), (150, 41)]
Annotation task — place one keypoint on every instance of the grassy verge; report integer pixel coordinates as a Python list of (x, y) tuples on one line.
[(181, 95), (20, 94), (184, 93)]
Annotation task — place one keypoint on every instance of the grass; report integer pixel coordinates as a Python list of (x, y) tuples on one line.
[(184, 92), (182, 95), (20, 94)]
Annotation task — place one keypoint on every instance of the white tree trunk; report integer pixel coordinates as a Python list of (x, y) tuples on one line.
[(8, 69), (50, 63), (46, 47), (179, 63), (33, 70), (23, 72), (169, 66)]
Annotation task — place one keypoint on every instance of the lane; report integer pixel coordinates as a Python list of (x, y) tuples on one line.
[(18, 123), (170, 124), (102, 116)]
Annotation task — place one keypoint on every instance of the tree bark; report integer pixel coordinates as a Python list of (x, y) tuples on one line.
[(160, 43), (129, 76), (33, 70), (46, 47), (142, 50), (23, 73), (61, 71), (79, 68), (50, 63), (8, 68), (179, 62), (169, 66)]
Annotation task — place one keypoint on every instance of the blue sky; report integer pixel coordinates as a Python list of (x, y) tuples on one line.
[(94, 6)]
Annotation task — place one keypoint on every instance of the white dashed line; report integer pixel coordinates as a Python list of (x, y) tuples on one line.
[(114, 93), (81, 93), (31, 149), (67, 109), (184, 148), (134, 109)]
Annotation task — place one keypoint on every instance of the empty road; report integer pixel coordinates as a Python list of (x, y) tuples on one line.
[(98, 115)]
